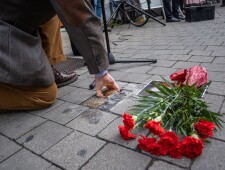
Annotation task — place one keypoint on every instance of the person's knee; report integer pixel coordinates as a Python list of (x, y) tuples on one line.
[(52, 94)]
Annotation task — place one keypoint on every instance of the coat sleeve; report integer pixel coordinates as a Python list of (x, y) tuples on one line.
[(84, 30)]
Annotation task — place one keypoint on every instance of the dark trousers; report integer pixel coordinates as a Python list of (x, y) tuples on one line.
[(171, 11)]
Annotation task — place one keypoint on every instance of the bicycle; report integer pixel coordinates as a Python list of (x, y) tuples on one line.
[(128, 11)]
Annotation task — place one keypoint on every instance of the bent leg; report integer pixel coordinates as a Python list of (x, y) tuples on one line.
[(26, 98), (52, 40)]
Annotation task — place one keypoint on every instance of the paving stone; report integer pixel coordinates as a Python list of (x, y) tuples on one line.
[(214, 102), (223, 109), (183, 162), (139, 69), (62, 91), (185, 65), (92, 121), (158, 78), (217, 88), (220, 133), (44, 111), (116, 157), (5, 117), (196, 47), (218, 53), (162, 47), (44, 136), (179, 57), (212, 157), (203, 59), (111, 133), (219, 60), (135, 78), (213, 67), (83, 83), (24, 160), (79, 95), (17, 127), (200, 52), (164, 63), (177, 47), (160, 165), (118, 74), (65, 113), (53, 168), (74, 150), (124, 106), (7, 148), (162, 71)]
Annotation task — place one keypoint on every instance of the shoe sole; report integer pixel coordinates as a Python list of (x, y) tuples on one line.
[(67, 82)]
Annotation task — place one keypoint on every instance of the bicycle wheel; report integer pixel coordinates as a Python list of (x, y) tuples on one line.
[(134, 16)]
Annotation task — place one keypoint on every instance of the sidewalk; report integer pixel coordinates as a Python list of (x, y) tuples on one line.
[(80, 131)]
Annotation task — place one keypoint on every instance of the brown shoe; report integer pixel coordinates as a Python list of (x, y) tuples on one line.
[(64, 78)]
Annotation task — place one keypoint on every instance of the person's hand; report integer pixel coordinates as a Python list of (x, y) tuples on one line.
[(105, 81)]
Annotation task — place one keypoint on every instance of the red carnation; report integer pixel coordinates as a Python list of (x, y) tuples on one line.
[(125, 133), (204, 128), (154, 127), (192, 147), (167, 141), (128, 121), (156, 149), (179, 76), (175, 151), (145, 143)]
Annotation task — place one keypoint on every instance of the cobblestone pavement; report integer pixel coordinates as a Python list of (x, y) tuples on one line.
[(80, 131)]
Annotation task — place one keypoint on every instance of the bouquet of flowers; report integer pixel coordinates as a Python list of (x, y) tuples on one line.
[(177, 117)]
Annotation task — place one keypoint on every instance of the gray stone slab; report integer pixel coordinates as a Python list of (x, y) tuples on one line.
[(44, 136), (7, 116), (177, 47), (65, 113), (162, 71), (116, 157), (139, 69), (195, 47), (220, 133), (135, 78), (74, 150), (179, 57), (118, 74), (44, 111), (219, 60), (202, 59), (218, 53), (212, 157), (183, 162), (62, 91), (79, 95), (160, 165), (164, 63), (24, 160), (53, 168), (124, 106), (214, 102), (7, 148), (200, 52), (222, 111), (185, 65), (92, 121), (217, 88), (111, 133), (83, 83), (17, 127), (213, 67)]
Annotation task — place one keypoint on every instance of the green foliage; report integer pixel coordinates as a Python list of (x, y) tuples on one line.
[(178, 107)]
